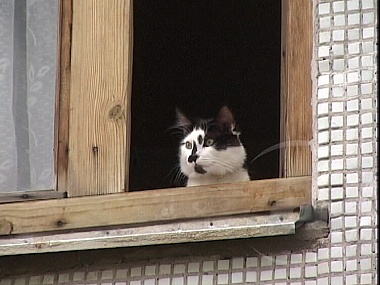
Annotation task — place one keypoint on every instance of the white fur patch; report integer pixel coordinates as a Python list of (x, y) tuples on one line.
[(221, 166)]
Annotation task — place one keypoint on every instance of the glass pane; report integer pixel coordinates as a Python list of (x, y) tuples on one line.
[(28, 64)]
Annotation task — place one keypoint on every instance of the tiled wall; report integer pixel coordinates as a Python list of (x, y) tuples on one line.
[(345, 89)]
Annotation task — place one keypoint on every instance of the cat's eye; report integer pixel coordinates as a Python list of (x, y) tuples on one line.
[(209, 142), (188, 145)]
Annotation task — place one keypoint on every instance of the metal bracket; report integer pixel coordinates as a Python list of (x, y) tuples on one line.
[(308, 214)]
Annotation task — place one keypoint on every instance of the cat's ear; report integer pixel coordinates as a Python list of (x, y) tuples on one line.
[(182, 121), (225, 118)]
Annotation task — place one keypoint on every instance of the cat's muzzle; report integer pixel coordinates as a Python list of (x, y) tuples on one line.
[(199, 169)]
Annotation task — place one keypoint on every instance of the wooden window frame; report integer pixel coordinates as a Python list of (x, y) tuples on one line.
[(93, 105)]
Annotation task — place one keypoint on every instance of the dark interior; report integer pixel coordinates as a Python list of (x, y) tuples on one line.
[(198, 56)]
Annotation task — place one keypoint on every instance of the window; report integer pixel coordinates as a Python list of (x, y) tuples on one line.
[(94, 133)]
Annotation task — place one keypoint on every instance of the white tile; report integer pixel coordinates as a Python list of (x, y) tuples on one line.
[(366, 148), (352, 105), (266, 275), (353, 5), (324, 66), (251, 262), (323, 253), (337, 164), (351, 250), (150, 270), (367, 75), (237, 263), (353, 34), (323, 268), (367, 192), (337, 49), (323, 108), (280, 273), (237, 277), (353, 19), (366, 88), (352, 163), (323, 180), (310, 271), (350, 222), (367, 177), (367, 4), (350, 207), (337, 179), (193, 267), (367, 133), (336, 136), (323, 152), (351, 235), (367, 118), (368, 33), (295, 272), (165, 269), (366, 278), (353, 120), (296, 258), (207, 280), (368, 47), (352, 90), (324, 22), (336, 237), (367, 61), (336, 208), (251, 276), (365, 264), (337, 107), (365, 221), (337, 266), (352, 134), (353, 77), (337, 121), (366, 249), (222, 279), (336, 150), (338, 78), (352, 149), (337, 193), (223, 264), (351, 279), (323, 194), (178, 281), (338, 6), (323, 80), (366, 206), (323, 165), (164, 281), (324, 37), (338, 35), (366, 104), (149, 282), (351, 265), (179, 268), (323, 137), (337, 92), (323, 123), (324, 8), (193, 280), (135, 271), (352, 192), (323, 93), (323, 51), (336, 224)]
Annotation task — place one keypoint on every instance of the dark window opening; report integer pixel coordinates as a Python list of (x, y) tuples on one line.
[(199, 55)]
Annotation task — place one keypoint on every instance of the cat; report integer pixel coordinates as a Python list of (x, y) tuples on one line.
[(211, 151)]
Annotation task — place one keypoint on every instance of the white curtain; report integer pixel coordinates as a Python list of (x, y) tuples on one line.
[(28, 63)]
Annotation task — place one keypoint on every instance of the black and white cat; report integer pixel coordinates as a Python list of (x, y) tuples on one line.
[(210, 151)]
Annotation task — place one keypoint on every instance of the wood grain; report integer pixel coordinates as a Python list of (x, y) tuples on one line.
[(63, 94), (155, 205), (99, 97), (296, 92), (10, 197)]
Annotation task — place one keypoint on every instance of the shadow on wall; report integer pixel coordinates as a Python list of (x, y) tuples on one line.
[(198, 56)]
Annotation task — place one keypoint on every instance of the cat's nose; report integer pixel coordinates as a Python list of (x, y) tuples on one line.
[(192, 158)]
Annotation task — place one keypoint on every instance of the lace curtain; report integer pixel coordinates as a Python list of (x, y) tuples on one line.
[(28, 63)]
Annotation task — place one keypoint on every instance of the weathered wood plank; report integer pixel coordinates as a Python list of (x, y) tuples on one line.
[(30, 195), (296, 111), (99, 99), (238, 226), (63, 94), (155, 205)]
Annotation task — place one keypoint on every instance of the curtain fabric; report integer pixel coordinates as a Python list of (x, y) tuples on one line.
[(28, 65)]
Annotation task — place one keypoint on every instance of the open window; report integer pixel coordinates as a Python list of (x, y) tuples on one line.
[(104, 150)]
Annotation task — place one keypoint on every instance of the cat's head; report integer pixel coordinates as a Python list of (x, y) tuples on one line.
[(210, 146)]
